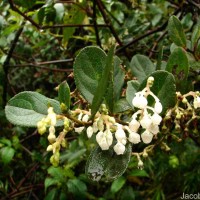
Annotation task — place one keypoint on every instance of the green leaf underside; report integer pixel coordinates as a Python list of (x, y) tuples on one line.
[(64, 94), (164, 88), (103, 83), (141, 66), (178, 64), (132, 88), (176, 32), (107, 164), (88, 68), (27, 108)]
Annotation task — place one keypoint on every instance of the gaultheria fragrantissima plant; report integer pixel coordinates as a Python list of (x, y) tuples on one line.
[(151, 108)]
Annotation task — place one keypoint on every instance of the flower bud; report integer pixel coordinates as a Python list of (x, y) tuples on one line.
[(196, 102), (50, 148), (51, 138), (79, 129), (63, 143), (42, 130), (94, 126), (85, 118), (119, 148), (100, 124), (89, 132), (40, 124), (52, 130), (140, 164), (66, 123), (112, 120)]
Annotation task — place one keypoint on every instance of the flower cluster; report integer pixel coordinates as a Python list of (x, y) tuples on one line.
[(106, 128), (55, 142), (149, 118), (144, 124)]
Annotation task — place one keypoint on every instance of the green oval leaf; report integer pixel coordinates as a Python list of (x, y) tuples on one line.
[(27, 108), (88, 69), (178, 64), (176, 32), (107, 164), (164, 88), (64, 94), (141, 66)]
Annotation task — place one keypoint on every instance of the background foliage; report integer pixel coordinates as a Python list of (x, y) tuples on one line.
[(38, 44)]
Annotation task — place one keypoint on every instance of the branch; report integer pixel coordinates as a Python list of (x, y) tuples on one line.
[(107, 21), (194, 3), (156, 43), (38, 65), (148, 33), (95, 24), (39, 27), (7, 61)]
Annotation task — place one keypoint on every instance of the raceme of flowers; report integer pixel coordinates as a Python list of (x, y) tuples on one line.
[(143, 125), (105, 129)]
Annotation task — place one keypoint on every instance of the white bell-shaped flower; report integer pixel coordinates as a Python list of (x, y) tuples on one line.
[(109, 136), (79, 129), (156, 119), (100, 124), (154, 129), (95, 128), (158, 107), (85, 118), (52, 116), (120, 135), (134, 137), (103, 144), (146, 121), (139, 100), (52, 130), (80, 116), (89, 131), (102, 140), (196, 102), (146, 137), (119, 148), (134, 125)]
